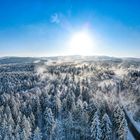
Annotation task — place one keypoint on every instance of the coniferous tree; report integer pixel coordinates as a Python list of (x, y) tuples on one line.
[(96, 128), (78, 90), (55, 105), (120, 123), (18, 132), (106, 128), (78, 120), (68, 127), (123, 130), (3, 128), (32, 120), (23, 135), (70, 103), (26, 128), (59, 132), (48, 123), (91, 109), (37, 134), (9, 132)]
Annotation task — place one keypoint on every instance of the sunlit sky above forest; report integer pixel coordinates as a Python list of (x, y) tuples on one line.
[(70, 27)]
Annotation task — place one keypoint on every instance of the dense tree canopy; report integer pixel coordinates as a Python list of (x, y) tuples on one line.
[(66, 101)]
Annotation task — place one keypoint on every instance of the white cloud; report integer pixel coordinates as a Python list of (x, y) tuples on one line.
[(55, 18)]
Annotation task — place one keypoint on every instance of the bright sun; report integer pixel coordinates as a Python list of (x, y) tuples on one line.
[(81, 43)]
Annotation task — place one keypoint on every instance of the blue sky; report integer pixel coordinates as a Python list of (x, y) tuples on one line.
[(43, 27)]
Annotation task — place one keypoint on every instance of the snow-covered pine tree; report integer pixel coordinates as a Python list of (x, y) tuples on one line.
[(49, 123), (10, 121), (36, 115), (26, 128), (95, 128), (84, 122), (91, 109), (18, 132), (10, 131), (45, 100), (123, 130), (14, 108), (55, 105), (106, 126), (7, 110), (37, 134), (32, 120), (68, 127), (78, 90), (23, 135), (59, 133), (6, 131), (77, 120), (3, 128), (120, 123), (70, 101)]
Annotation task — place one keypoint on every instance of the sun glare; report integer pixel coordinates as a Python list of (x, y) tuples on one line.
[(81, 43)]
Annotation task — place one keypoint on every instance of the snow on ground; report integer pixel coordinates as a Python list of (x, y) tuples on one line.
[(130, 136), (130, 115), (136, 124)]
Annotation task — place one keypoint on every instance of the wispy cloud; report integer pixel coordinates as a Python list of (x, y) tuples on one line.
[(62, 20), (55, 18)]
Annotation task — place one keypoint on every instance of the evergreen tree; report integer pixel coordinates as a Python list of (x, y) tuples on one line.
[(32, 120), (48, 123), (70, 101), (3, 128), (7, 110), (36, 115), (59, 132), (120, 123), (55, 105), (18, 132), (123, 130), (14, 108), (91, 109), (106, 128), (68, 127), (10, 121), (85, 125), (37, 134), (96, 128), (78, 90), (77, 120), (23, 135), (26, 128), (9, 132)]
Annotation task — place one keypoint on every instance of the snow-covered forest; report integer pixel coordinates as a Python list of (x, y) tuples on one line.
[(69, 98)]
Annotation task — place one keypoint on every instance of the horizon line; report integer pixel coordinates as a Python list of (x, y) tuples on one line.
[(123, 57)]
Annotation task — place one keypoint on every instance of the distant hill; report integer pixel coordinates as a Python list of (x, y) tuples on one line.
[(9, 60), (12, 60)]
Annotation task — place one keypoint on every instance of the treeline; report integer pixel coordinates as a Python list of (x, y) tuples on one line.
[(63, 103)]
